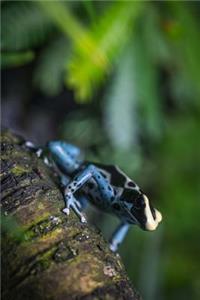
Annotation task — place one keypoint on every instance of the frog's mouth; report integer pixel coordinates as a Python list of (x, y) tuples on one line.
[(151, 222)]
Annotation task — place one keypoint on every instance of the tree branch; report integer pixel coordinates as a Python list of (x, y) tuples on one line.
[(46, 255)]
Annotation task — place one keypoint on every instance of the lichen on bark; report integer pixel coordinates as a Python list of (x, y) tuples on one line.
[(46, 255)]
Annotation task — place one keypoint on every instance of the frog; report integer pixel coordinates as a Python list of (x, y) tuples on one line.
[(105, 186)]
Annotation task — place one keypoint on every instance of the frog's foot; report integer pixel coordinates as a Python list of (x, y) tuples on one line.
[(66, 211), (118, 236), (32, 147), (71, 202), (113, 246)]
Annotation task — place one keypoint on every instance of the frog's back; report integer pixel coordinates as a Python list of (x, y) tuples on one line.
[(115, 176)]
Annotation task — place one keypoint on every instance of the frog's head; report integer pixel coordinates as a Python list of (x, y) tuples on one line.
[(146, 216)]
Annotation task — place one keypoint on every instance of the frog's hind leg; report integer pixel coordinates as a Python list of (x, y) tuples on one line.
[(105, 190), (73, 151), (118, 236), (68, 157)]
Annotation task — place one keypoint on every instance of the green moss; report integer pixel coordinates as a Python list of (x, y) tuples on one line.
[(39, 218), (19, 170), (8, 137), (63, 252), (10, 227), (43, 261)]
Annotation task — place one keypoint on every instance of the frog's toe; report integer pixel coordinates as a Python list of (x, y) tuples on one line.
[(83, 219), (113, 247), (66, 211)]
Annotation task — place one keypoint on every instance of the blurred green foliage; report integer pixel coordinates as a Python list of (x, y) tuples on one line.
[(12, 229), (144, 58)]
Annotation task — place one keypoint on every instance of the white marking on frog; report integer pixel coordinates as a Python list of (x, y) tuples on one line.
[(151, 224)]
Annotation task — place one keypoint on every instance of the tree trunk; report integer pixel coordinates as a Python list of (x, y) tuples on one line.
[(46, 255)]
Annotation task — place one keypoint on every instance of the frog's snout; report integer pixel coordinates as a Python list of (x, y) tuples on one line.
[(151, 223), (158, 216)]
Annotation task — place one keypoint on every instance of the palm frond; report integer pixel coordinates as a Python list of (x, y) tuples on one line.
[(111, 32), (94, 49)]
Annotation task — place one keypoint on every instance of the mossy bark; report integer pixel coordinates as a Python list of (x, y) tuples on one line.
[(46, 255)]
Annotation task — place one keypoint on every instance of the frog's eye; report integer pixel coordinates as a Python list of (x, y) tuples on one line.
[(139, 202)]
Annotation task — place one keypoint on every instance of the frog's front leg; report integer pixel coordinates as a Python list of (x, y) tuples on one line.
[(72, 202), (106, 191), (78, 204), (118, 236)]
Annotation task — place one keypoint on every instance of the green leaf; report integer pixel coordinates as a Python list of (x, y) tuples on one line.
[(121, 99), (90, 9), (62, 16), (50, 69), (10, 227), (147, 90), (154, 36), (16, 59), (111, 32), (83, 129), (184, 37), (24, 26), (96, 48)]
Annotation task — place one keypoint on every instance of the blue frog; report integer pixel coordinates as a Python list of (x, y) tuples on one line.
[(105, 186)]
